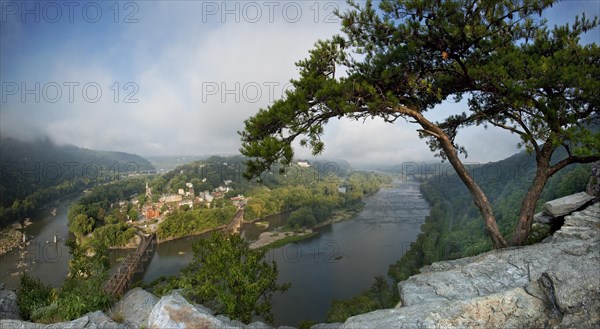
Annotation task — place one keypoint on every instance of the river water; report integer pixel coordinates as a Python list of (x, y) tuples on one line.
[(340, 262), (42, 257), (344, 258)]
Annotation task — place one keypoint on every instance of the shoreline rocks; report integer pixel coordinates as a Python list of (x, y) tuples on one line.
[(10, 238)]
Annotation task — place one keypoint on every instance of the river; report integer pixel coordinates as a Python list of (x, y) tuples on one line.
[(340, 262), (41, 257)]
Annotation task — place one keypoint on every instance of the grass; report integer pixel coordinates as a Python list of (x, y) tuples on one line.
[(118, 317)]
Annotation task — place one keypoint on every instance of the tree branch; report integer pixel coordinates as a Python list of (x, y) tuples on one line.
[(573, 159)]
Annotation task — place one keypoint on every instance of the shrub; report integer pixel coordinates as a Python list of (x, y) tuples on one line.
[(32, 294)]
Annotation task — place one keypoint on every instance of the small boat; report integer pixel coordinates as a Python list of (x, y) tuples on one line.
[(53, 212)]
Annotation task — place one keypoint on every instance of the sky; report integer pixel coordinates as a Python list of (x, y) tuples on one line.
[(180, 77)]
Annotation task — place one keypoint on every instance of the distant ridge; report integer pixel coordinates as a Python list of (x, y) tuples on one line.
[(29, 166)]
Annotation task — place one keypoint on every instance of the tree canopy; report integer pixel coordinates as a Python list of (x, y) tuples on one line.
[(405, 57), (231, 278)]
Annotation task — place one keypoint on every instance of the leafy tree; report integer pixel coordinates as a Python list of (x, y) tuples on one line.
[(546, 91), (408, 56), (343, 309), (118, 234), (88, 270), (142, 199), (302, 217), (196, 220), (133, 214), (32, 294), (81, 225), (228, 276)]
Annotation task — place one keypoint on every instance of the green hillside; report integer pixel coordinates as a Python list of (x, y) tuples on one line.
[(36, 172)]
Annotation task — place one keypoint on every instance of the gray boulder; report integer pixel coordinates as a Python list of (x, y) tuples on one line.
[(335, 325), (134, 308), (95, 320), (512, 309), (9, 308), (542, 218), (174, 312), (566, 205)]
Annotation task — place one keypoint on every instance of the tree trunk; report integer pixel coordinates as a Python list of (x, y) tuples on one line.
[(528, 207), (481, 200), (543, 172)]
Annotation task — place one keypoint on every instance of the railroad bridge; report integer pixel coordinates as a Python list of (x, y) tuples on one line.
[(133, 263), (236, 224)]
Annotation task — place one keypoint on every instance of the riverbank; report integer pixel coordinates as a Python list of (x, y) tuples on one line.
[(278, 239), (12, 236), (9, 238), (222, 227), (340, 216)]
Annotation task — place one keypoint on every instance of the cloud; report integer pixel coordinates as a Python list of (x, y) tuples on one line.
[(184, 77)]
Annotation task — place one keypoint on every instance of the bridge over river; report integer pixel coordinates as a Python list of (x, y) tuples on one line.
[(134, 262)]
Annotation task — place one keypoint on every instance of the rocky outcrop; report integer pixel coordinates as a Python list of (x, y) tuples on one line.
[(567, 204), (8, 304), (134, 308), (174, 311), (553, 212), (555, 283), (95, 320)]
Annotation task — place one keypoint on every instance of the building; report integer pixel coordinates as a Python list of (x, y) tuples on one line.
[(151, 213), (238, 201), (148, 192), (189, 203), (171, 198)]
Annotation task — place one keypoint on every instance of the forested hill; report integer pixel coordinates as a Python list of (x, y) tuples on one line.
[(34, 172), (454, 227)]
